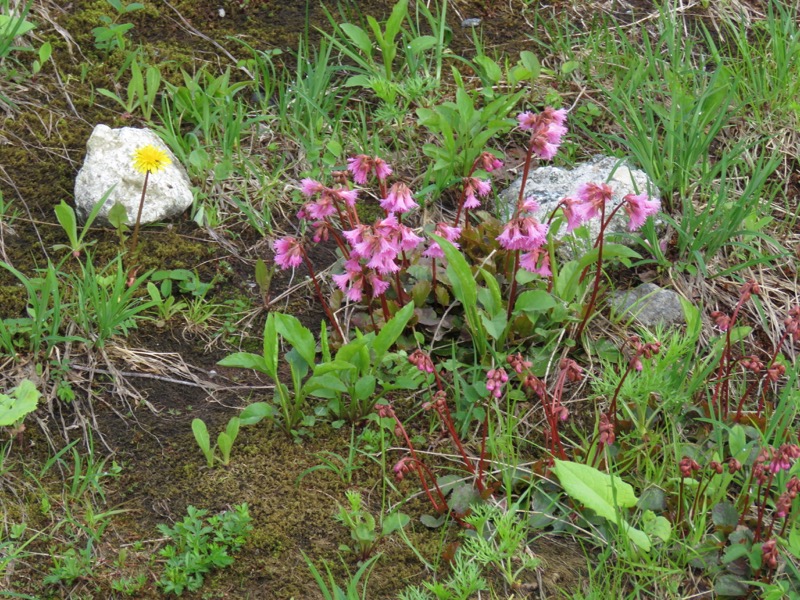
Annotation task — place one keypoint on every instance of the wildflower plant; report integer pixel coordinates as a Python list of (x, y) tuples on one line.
[(146, 160)]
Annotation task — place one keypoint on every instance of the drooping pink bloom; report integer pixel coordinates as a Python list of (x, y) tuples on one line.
[(530, 205), (321, 231), (379, 286), (322, 208), (523, 233), (288, 252), (574, 217), (399, 199), (351, 282), (489, 162), (536, 261), (382, 169), (518, 362), (474, 187), (592, 197), (721, 320), (360, 166), (547, 130), (356, 236), (495, 380), (639, 207), (349, 197), (451, 234), (310, 187), (421, 360)]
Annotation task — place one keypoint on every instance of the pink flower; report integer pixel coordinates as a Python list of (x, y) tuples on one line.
[(489, 162), (530, 261), (399, 199), (288, 253), (574, 217), (518, 362), (349, 197), (310, 187), (547, 130), (495, 380), (322, 208), (379, 286), (421, 360), (523, 233), (474, 187), (451, 234), (360, 166), (639, 207), (530, 205), (382, 169), (321, 231), (592, 197)]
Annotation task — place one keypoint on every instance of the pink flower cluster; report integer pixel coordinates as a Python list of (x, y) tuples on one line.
[(591, 199), (495, 380), (547, 130), (524, 232)]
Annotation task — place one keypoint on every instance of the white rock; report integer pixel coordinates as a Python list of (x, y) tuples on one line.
[(549, 185), (109, 162)]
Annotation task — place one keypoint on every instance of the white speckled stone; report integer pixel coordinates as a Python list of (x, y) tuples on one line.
[(109, 162)]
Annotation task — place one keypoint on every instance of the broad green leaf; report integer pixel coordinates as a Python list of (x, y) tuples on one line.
[(256, 412), (201, 435), (391, 331), (233, 428), (245, 360), (656, 526), (22, 401), (359, 37), (494, 326), (365, 387), (534, 301), (298, 336), (602, 493), (225, 444), (14, 26), (393, 522), (531, 62)]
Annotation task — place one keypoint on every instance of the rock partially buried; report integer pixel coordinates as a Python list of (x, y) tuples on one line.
[(650, 305), (109, 163), (549, 185)]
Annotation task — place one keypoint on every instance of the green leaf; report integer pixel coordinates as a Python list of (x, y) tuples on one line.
[(256, 412), (656, 526), (365, 387), (12, 27), (494, 326), (358, 36), (21, 402), (245, 360), (534, 301), (730, 585), (531, 62), (201, 436), (432, 522), (118, 216), (601, 492), (298, 336), (225, 445), (725, 516), (391, 331), (393, 522)]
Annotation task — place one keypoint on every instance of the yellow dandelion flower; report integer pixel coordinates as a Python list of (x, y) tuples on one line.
[(149, 158)]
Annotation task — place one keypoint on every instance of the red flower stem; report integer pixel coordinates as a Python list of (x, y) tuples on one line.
[(433, 274), (590, 306), (420, 465), (612, 411), (512, 295), (525, 172), (762, 508), (464, 196), (724, 367), (385, 308), (752, 386), (325, 306)]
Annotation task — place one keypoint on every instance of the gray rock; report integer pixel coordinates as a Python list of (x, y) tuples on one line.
[(109, 163), (473, 22), (549, 185), (650, 305)]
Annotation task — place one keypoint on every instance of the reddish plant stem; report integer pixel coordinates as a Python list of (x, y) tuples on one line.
[(485, 430), (762, 507), (612, 411), (512, 295), (724, 368), (753, 385), (593, 299), (325, 306)]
